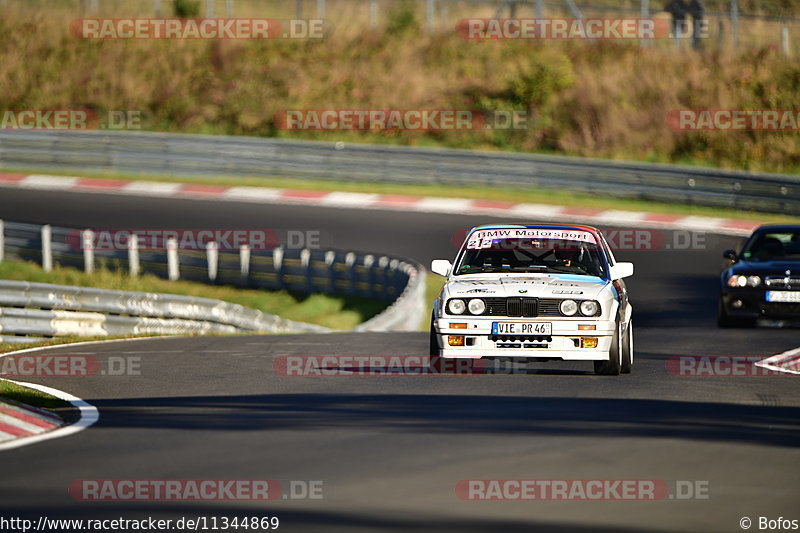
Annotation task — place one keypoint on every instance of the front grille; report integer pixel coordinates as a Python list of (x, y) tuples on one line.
[(782, 281), (522, 307), (495, 306), (780, 308), (549, 307)]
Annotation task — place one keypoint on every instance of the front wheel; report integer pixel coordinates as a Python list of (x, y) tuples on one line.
[(434, 361), (613, 366), (627, 349)]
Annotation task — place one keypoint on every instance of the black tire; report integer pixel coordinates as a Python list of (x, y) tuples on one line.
[(627, 349), (613, 366), (434, 361)]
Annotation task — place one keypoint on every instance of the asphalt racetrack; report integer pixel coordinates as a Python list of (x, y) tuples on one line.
[(389, 451)]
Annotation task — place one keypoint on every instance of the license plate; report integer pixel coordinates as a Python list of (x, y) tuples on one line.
[(522, 328), (783, 296)]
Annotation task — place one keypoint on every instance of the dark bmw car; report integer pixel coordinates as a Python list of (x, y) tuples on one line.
[(762, 279)]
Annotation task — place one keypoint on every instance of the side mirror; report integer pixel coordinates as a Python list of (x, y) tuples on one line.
[(729, 254), (621, 270), (441, 267)]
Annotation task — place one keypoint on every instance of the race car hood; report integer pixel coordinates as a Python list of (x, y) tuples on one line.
[(542, 286)]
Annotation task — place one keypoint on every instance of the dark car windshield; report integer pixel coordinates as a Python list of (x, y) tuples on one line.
[(772, 245), (533, 255)]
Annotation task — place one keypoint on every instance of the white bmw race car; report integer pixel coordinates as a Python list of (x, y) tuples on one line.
[(535, 292)]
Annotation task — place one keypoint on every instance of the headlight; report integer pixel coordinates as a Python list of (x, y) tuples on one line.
[(744, 281), (476, 306), (568, 307), (456, 307), (589, 307)]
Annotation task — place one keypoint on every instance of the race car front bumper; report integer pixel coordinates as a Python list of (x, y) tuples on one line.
[(570, 339)]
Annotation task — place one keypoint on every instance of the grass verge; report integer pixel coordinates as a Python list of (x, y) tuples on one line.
[(602, 98), (337, 312), (19, 394)]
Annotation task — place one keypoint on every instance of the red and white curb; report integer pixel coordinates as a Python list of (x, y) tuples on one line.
[(19, 420), (393, 202), (788, 362), (19, 428)]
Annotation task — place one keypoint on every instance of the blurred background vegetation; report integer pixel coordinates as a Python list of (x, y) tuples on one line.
[(601, 99)]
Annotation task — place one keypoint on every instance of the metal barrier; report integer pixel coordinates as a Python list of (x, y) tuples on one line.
[(99, 311), (205, 155), (46, 310)]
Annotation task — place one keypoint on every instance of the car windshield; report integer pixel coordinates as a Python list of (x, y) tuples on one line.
[(772, 245), (531, 255)]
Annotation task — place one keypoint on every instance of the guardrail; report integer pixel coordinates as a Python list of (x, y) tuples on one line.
[(297, 270), (30, 311), (206, 155)]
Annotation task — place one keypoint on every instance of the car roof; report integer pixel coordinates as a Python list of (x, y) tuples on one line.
[(778, 227), (537, 226)]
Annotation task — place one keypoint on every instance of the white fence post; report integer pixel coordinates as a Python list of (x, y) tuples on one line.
[(210, 8), (430, 15), (47, 248), (229, 9), (785, 46), (173, 270), (87, 238), (212, 258), (133, 255), (244, 260), (2, 241), (539, 9), (735, 23), (157, 7), (373, 14), (645, 15), (320, 9)]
